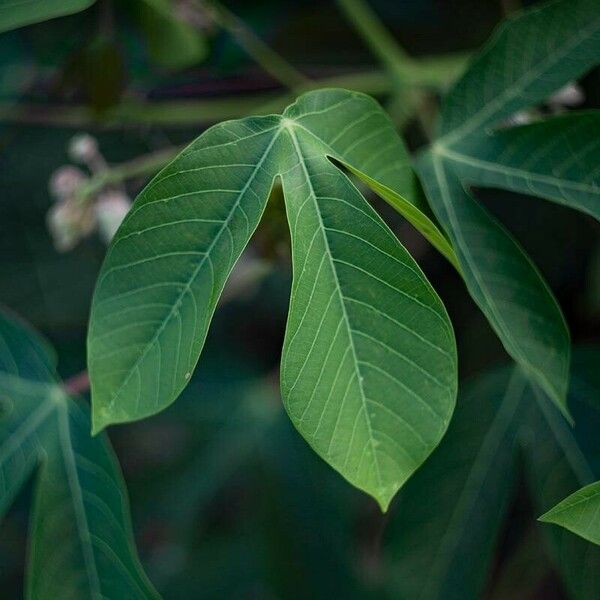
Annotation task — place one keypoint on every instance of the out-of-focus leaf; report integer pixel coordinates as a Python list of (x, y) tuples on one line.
[(18, 13), (81, 543), (559, 460), (443, 533), (363, 318), (524, 569), (579, 513), (173, 43)]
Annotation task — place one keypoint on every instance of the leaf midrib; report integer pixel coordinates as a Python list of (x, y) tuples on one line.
[(437, 237), (438, 165), (461, 157), (83, 529), (483, 115), (289, 127)]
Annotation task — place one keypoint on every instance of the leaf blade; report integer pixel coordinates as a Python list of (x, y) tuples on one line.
[(568, 47), (210, 220), (552, 159), (14, 15), (579, 512), (503, 281), (43, 430), (335, 252)]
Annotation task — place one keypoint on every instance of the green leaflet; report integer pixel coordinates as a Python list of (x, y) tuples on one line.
[(369, 362), (503, 281), (554, 159), (81, 543), (17, 14), (579, 513), (529, 56)]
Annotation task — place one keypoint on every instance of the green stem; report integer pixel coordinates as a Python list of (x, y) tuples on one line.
[(182, 112), (263, 54), (379, 40), (145, 165)]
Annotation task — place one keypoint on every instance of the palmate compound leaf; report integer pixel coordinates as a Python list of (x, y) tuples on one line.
[(369, 361), (530, 56), (80, 544)]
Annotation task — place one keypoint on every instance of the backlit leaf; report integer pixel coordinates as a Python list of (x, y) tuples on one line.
[(369, 362)]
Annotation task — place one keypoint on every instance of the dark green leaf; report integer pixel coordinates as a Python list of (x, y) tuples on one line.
[(556, 159), (503, 281), (442, 538), (560, 459), (528, 57), (81, 542)]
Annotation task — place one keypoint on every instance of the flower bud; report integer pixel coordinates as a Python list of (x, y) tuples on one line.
[(65, 182), (110, 209), (83, 148)]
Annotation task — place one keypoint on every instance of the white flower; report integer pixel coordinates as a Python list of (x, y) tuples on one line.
[(110, 209), (65, 182), (83, 148)]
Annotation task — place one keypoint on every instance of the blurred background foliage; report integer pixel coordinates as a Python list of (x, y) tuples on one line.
[(227, 499)]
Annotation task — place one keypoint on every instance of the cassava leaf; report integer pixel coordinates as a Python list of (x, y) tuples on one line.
[(17, 13), (556, 159), (441, 539), (81, 544), (503, 281), (579, 513), (167, 266), (529, 56), (559, 459), (369, 362)]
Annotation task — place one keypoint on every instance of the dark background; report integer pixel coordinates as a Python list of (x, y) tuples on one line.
[(227, 499)]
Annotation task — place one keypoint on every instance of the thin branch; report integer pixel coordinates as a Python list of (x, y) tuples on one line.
[(144, 165), (182, 112), (264, 55)]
